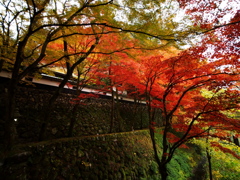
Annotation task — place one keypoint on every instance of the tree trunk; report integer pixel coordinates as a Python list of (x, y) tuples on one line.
[(112, 113), (161, 163), (75, 108), (10, 129), (163, 171), (73, 120), (1, 64), (50, 105), (10, 132), (209, 164), (236, 141), (117, 113), (135, 113), (48, 110)]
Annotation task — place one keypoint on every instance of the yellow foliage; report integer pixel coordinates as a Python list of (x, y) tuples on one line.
[(221, 161), (216, 174)]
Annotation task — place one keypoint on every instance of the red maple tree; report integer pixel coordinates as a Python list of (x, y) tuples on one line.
[(175, 86)]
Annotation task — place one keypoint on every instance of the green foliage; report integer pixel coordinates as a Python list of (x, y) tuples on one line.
[(224, 165), (186, 161), (180, 166), (154, 167)]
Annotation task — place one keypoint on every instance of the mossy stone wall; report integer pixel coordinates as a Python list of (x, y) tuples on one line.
[(122, 156)]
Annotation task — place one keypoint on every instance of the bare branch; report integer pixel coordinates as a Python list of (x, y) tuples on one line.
[(160, 37)]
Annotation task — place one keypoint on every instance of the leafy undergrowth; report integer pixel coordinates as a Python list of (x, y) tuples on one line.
[(191, 163), (225, 158), (183, 162)]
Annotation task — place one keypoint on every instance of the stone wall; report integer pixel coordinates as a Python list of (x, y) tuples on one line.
[(116, 156), (121, 156), (92, 117)]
